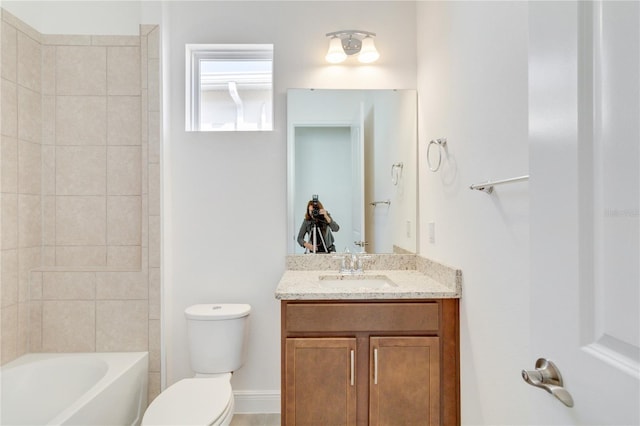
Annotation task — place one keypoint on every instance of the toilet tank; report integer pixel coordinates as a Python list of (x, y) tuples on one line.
[(217, 336)]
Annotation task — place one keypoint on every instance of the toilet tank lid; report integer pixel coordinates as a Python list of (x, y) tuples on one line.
[(217, 311)]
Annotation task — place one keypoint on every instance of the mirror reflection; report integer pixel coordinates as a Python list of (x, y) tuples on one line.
[(357, 151)]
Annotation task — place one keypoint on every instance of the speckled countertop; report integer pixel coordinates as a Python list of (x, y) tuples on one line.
[(411, 277)]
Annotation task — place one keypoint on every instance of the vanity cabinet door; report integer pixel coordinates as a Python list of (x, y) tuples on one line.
[(404, 381), (320, 381)]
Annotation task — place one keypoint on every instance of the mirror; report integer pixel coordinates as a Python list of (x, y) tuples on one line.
[(357, 150)]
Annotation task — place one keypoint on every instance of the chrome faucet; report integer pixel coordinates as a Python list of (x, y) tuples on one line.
[(351, 263)]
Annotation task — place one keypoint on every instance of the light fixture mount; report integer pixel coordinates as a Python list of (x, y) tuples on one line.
[(351, 41)]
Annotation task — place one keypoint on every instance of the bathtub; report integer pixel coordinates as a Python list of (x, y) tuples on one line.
[(74, 389)]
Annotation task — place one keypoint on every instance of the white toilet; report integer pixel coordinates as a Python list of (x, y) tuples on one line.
[(217, 336)]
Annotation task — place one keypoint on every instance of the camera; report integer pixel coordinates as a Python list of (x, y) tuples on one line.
[(316, 207)]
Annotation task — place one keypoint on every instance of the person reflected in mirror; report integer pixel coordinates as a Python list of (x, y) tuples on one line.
[(317, 228)]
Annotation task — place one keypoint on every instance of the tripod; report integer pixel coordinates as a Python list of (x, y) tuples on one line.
[(314, 235)]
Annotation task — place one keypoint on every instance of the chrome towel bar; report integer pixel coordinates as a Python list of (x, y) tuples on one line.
[(488, 186)]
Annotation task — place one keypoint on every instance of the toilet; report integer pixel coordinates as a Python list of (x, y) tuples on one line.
[(217, 336)]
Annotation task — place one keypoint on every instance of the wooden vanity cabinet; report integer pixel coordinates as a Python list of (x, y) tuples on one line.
[(370, 363)]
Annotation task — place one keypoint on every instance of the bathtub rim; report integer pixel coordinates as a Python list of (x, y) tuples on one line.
[(118, 363)]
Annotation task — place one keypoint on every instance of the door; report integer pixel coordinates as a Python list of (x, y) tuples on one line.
[(357, 181), (320, 386), (584, 164), (404, 386)]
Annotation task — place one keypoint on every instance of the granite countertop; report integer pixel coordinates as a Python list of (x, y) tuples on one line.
[(413, 277)]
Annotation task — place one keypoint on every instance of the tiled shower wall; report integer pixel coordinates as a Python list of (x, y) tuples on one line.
[(80, 193)]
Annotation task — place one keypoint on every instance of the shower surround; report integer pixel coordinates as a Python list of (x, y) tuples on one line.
[(80, 187)]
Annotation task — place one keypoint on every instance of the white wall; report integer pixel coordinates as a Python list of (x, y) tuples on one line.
[(228, 191), (472, 87), (79, 17)]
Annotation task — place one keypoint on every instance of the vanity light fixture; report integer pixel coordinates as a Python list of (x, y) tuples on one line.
[(349, 42)]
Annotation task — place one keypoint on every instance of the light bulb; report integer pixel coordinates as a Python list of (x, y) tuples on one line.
[(368, 53), (335, 54)]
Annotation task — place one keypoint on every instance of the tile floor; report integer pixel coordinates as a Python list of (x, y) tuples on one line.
[(271, 419)]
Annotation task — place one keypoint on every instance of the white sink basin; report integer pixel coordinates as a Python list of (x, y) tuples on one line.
[(355, 281)]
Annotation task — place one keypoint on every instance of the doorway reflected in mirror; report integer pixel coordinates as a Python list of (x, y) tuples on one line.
[(342, 145)]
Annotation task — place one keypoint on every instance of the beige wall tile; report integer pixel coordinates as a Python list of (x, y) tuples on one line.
[(9, 116), (29, 167), (123, 220), (48, 256), (154, 85), (144, 116), (69, 285), (154, 345), (144, 258), (9, 52), (153, 44), (9, 164), (154, 137), (124, 256), (123, 70), (35, 286), (154, 241), (81, 170), (30, 220), (144, 232), (9, 276), (144, 123), (115, 40), (122, 325), (28, 259), (144, 65), (48, 120), (48, 169), (9, 329), (123, 120), (81, 70), (123, 170), (66, 40), (154, 293), (81, 220), (81, 120), (68, 326), (9, 232), (154, 189), (20, 25), (154, 386), (29, 63), (49, 220), (121, 285), (81, 256), (35, 327), (29, 115), (23, 328), (48, 70)]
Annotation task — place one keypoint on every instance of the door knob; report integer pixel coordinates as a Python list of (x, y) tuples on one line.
[(547, 376)]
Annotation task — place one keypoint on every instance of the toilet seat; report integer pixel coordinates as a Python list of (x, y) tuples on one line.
[(195, 401)]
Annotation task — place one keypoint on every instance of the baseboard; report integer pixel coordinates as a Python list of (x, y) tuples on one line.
[(266, 401)]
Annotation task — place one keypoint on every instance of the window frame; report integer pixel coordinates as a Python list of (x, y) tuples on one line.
[(196, 53)]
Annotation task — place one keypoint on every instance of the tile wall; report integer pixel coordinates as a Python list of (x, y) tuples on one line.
[(80, 193)]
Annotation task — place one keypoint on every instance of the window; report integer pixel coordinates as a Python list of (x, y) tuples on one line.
[(229, 87)]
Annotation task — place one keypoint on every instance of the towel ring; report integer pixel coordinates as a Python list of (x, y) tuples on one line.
[(441, 143)]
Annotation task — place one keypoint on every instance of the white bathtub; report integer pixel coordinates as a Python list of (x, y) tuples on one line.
[(74, 389)]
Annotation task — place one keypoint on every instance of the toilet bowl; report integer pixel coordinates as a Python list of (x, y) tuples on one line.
[(217, 335)]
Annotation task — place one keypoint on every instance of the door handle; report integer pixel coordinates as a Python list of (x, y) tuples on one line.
[(547, 376)]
